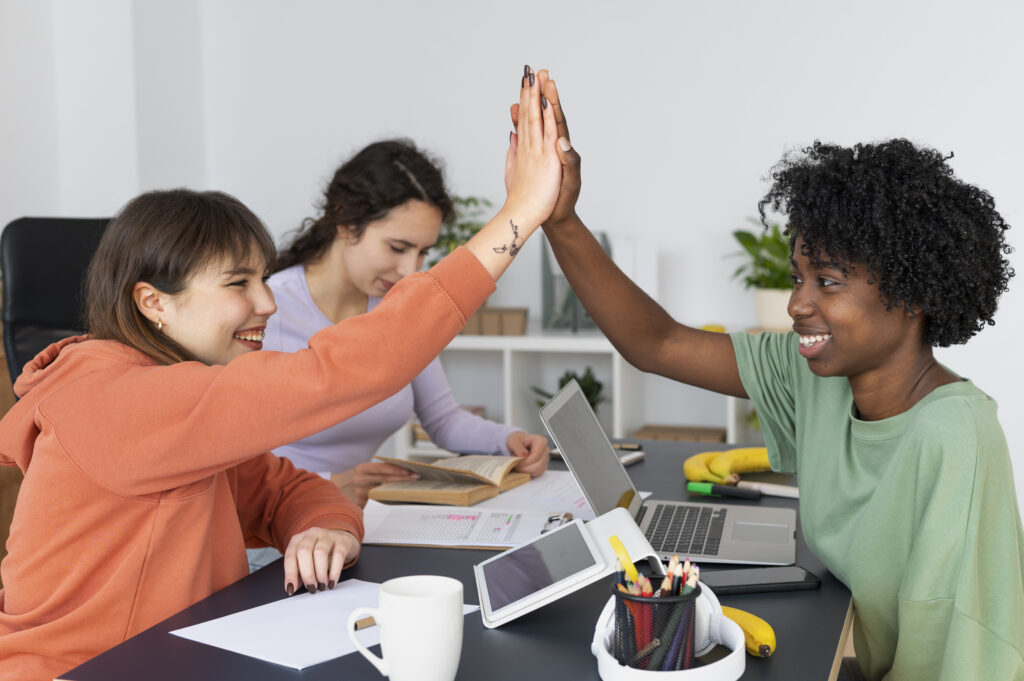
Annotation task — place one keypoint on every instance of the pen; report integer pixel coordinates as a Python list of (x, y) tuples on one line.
[(713, 490), (618, 446), (771, 489)]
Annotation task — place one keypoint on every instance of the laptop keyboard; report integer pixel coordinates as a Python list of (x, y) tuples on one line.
[(686, 530)]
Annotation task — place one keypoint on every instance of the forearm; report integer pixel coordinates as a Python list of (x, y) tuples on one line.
[(275, 501), (497, 244), (639, 328), (631, 319)]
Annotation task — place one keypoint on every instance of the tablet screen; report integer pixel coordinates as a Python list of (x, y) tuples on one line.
[(545, 561)]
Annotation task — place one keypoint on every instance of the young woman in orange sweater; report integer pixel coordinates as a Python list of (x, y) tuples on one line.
[(145, 445)]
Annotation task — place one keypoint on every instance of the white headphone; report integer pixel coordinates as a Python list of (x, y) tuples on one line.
[(711, 627)]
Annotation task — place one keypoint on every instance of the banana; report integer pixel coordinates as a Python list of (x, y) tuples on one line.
[(696, 469), (742, 460), (758, 635)]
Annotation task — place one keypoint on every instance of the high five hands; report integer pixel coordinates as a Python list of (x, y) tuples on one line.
[(569, 190), (532, 168), (533, 176)]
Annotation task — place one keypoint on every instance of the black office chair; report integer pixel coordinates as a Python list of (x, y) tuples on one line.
[(43, 262)]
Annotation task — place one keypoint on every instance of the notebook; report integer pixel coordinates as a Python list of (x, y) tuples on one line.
[(703, 532)]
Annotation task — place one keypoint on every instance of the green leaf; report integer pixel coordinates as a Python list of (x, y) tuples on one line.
[(768, 263)]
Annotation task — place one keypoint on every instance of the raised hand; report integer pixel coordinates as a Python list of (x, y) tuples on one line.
[(533, 174), (532, 167), (569, 191)]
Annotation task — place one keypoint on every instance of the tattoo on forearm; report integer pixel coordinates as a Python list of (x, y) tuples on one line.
[(513, 248)]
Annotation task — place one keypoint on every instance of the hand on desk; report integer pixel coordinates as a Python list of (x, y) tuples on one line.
[(357, 482), (532, 449), (314, 558)]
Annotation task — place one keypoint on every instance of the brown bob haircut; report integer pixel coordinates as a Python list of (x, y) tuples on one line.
[(163, 238)]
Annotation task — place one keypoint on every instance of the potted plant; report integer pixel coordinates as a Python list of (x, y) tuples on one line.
[(589, 384), (470, 214), (768, 272)]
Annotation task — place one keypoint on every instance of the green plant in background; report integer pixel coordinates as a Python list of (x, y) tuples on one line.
[(768, 251), (588, 383), (470, 217)]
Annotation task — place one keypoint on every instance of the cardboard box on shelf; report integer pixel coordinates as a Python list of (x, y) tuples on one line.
[(680, 433), (497, 321)]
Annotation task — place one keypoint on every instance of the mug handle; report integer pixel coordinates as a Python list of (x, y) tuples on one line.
[(356, 615)]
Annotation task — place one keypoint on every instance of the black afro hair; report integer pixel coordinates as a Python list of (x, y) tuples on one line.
[(930, 241)]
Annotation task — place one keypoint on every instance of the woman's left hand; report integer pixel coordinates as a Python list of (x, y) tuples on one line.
[(314, 558), (532, 450)]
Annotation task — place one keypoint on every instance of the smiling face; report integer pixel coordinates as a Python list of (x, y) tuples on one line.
[(391, 247), (844, 327), (223, 311)]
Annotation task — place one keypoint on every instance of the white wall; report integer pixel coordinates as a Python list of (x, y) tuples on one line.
[(28, 113), (679, 110)]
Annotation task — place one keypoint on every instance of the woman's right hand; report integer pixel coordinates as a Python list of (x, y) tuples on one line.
[(532, 167), (533, 174), (357, 482), (569, 191)]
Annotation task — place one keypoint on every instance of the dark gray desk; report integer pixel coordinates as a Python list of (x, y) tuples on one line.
[(550, 643)]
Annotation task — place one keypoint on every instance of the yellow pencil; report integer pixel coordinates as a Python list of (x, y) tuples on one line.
[(627, 562)]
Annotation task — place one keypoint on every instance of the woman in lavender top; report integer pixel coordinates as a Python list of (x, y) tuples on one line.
[(381, 213)]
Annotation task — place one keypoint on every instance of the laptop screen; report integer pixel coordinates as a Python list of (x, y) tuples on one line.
[(585, 448)]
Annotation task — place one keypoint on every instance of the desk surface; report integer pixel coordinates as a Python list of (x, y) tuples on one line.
[(550, 643)]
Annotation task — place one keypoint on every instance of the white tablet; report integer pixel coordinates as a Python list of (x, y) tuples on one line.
[(522, 579)]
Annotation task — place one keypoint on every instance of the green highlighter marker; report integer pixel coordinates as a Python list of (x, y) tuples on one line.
[(709, 489)]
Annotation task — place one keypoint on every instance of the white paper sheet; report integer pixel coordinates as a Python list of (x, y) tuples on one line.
[(552, 491), (450, 525), (296, 632)]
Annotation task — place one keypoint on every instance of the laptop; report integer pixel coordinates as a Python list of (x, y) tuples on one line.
[(702, 532)]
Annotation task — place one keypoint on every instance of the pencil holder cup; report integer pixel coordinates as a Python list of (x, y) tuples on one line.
[(654, 633), (710, 628)]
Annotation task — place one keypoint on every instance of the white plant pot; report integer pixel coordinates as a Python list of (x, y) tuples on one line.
[(771, 306)]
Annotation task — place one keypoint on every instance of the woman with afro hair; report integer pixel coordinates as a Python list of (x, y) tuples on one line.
[(906, 489)]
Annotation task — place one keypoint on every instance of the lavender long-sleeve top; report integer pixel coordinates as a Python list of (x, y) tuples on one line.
[(357, 439)]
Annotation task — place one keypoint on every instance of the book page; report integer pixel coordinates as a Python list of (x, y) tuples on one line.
[(439, 485), (493, 468), (475, 467), (435, 473)]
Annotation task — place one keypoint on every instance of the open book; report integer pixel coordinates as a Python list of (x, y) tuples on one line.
[(459, 481)]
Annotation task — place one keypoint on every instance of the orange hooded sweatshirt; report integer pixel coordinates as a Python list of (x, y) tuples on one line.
[(144, 482)]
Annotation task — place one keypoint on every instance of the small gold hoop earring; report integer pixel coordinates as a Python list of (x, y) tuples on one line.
[(159, 325)]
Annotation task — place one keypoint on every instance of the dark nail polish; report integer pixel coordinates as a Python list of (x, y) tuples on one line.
[(526, 71), (290, 589), (531, 78), (330, 584), (322, 586), (311, 588), (543, 105)]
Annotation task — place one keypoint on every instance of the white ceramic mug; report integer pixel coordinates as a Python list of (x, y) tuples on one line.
[(420, 618)]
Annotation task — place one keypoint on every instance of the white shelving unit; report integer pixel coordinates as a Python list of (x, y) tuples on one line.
[(498, 372)]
